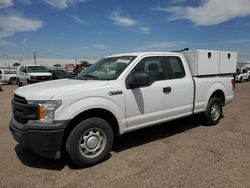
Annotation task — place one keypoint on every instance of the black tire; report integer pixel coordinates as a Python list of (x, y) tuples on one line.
[(13, 81), (241, 79), (248, 79), (213, 112), (90, 142)]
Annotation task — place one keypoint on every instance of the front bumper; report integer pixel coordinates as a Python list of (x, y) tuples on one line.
[(45, 142)]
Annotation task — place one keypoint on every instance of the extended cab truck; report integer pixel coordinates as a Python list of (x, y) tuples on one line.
[(81, 116), (28, 74), (8, 76)]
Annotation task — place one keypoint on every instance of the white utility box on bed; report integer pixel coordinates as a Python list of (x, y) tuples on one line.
[(210, 62)]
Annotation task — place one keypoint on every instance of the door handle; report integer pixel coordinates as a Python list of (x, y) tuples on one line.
[(167, 89)]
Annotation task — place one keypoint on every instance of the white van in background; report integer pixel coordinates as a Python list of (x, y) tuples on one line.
[(28, 74)]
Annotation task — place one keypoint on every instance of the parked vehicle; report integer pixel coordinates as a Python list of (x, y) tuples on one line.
[(118, 94), (1, 85), (60, 74), (242, 74), (8, 76), (28, 74)]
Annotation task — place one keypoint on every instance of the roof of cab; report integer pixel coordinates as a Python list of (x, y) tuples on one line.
[(143, 54)]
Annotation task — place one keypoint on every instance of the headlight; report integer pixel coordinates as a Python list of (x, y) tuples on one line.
[(46, 111)]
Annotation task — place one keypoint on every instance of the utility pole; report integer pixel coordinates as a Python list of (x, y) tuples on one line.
[(35, 58), (76, 61)]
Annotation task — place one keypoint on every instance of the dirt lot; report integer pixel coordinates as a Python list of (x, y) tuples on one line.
[(182, 153)]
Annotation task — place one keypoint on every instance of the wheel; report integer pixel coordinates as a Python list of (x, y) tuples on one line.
[(241, 79), (213, 112), (248, 79), (28, 82), (90, 142), (13, 81)]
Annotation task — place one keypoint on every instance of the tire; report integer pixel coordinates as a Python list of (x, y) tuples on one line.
[(90, 142), (241, 79), (13, 81), (248, 79), (213, 112)]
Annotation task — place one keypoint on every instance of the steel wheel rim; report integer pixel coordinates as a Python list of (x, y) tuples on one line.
[(215, 112), (92, 142)]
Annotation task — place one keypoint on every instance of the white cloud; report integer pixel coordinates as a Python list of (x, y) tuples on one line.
[(210, 12), (121, 20), (78, 19), (6, 3), (62, 4), (145, 30), (11, 24)]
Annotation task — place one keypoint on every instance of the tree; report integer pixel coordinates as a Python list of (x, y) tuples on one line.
[(57, 65), (16, 64), (84, 63)]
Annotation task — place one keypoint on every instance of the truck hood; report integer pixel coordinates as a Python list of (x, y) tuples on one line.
[(47, 90)]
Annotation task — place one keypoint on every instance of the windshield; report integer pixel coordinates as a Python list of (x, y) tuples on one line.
[(107, 68), (37, 69)]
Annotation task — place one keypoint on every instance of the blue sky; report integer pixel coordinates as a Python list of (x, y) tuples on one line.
[(90, 29)]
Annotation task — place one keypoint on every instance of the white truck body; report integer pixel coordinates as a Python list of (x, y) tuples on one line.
[(8, 76), (128, 107)]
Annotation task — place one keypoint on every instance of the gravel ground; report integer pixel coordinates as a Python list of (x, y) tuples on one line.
[(182, 153)]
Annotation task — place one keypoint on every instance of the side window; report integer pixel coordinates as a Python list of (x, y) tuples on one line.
[(244, 71), (153, 67), (176, 66), (1, 72)]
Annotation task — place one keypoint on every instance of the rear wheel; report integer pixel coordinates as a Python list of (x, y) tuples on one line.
[(13, 81), (90, 142), (213, 112)]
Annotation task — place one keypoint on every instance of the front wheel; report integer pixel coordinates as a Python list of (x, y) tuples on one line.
[(213, 112), (19, 83), (90, 142)]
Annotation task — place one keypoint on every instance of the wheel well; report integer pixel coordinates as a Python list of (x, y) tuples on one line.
[(98, 112), (219, 94)]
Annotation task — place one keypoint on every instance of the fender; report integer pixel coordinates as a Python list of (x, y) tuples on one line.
[(88, 103), (215, 87)]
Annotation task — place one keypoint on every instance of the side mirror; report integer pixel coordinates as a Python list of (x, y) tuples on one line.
[(139, 79)]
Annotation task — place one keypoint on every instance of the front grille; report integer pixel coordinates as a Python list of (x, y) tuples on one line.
[(19, 99), (43, 78), (23, 111), (17, 109)]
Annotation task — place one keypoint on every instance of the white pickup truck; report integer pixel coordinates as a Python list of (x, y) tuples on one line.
[(118, 94), (242, 74), (8, 76)]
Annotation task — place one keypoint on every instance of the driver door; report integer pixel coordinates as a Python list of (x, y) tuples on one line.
[(150, 104)]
